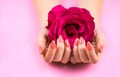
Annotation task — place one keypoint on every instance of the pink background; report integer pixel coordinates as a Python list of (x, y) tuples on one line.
[(19, 56)]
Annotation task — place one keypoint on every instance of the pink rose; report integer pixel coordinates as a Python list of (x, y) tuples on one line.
[(71, 23)]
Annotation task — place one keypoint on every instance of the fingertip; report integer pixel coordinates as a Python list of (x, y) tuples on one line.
[(82, 40), (41, 50), (101, 48), (67, 43), (76, 41), (60, 39), (89, 46), (52, 44)]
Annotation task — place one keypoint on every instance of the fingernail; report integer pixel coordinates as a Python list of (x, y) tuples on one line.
[(76, 41), (60, 38), (52, 45), (89, 47), (81, 40), (67, 43)]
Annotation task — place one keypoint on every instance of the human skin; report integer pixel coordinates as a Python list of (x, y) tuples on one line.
[(61, 51), (95, 7)]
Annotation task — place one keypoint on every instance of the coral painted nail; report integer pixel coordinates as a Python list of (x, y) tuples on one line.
[(67, 43), (76, 41), (81, 40), (89, 47), (52, 45)]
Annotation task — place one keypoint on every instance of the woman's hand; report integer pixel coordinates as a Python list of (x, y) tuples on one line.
[(59, 52), (87, 53)]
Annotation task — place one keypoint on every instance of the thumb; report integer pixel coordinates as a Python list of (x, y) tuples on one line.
[(41, 43), (100, 41)]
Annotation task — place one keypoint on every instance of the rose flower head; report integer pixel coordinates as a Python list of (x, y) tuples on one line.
[(71, 23)]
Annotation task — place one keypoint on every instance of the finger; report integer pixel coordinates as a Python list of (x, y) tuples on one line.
[(81, 50), (67, 53), (100, 41), (75, 51), (72, 60), (50, 52), (93, 56), (60, 49), (42, 43)]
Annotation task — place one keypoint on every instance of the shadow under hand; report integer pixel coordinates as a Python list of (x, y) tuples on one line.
[(71, 67)]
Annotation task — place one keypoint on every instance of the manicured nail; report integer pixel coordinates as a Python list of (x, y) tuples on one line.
[(81, 40), (89, 47), (67, 43), (52, 45), (76, 41), (60, 38)]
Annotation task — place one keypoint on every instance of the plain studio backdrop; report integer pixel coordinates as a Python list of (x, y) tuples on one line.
[(19, 55)]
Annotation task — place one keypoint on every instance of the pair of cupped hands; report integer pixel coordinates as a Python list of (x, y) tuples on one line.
[(60, 50)]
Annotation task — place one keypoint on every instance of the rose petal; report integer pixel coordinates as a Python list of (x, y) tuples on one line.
[(54, 13)]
